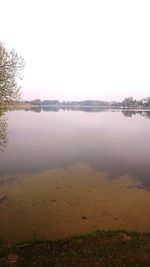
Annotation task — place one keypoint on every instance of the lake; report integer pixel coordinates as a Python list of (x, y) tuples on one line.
[(65, 172)]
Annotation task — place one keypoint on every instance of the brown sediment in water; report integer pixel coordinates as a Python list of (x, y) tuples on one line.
[(63, 202)]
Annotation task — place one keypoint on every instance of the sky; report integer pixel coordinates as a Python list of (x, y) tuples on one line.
[(80, 49)]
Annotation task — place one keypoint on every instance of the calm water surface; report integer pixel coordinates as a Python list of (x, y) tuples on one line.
[(68, 172)]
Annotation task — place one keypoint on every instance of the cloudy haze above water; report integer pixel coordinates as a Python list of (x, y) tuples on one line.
[(80, 49)]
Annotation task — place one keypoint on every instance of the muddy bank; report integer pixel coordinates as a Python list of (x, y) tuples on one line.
[(112, 248)]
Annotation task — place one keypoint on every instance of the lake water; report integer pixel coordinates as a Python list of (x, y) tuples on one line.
[(68, 172)]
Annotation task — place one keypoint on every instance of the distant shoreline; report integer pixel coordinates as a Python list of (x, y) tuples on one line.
[(29, 107)]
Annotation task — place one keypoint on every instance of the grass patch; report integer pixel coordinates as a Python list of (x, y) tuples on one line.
[(101, 248)]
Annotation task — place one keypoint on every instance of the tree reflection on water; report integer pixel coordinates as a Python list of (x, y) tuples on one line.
[(3, 131)]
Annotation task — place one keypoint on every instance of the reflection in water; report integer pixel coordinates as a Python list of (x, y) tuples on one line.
[(61, 167), (50, 109), (126, 113), (3, 131), (106, 141), (38, 109), (130, 113), (35, 109)]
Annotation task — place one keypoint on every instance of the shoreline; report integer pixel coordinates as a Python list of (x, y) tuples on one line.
[(30, 107), (101, 248)]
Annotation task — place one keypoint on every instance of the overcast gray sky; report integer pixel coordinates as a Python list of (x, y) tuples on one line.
[(80, 49)]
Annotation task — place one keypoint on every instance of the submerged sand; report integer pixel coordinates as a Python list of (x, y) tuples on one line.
[(62, 202)]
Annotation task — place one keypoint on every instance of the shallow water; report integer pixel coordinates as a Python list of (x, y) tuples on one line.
[(65, 173)]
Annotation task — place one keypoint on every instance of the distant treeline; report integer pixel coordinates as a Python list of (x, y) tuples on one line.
[(126, 103), (68, 103)]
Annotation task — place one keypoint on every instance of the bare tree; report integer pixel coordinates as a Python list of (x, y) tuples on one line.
[(3, 131), (10, 74)]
